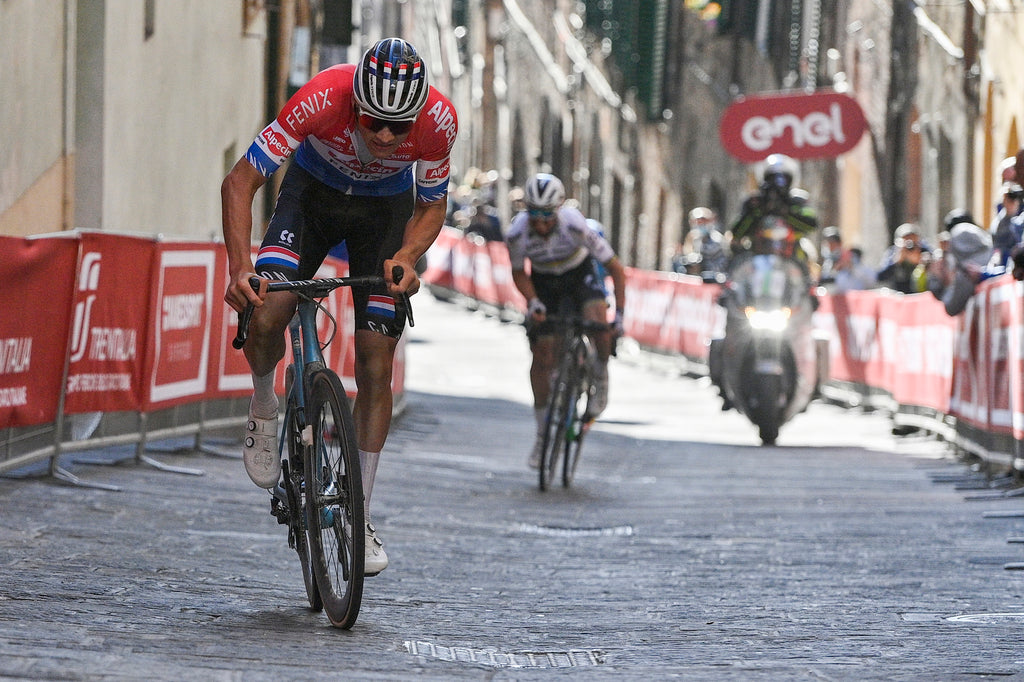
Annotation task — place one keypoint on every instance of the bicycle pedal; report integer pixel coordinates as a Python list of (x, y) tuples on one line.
[(278, 511)]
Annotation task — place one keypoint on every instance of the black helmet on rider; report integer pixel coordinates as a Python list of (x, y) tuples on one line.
[(779, 171), (390, 81), (544, 192)]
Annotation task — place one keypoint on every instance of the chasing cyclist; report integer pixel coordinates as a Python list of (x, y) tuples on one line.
[(372, 143), (564, 253)]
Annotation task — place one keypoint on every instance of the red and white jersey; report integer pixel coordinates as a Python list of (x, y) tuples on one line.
[(568, 245), (319, 124)]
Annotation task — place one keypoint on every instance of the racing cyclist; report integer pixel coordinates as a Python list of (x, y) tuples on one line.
[(371, 145), (563, 250)]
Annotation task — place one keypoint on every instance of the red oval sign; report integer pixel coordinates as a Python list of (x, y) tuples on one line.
[(819, 125)]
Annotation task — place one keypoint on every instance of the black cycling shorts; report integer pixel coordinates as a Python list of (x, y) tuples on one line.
[(311, 218), (567, 293)]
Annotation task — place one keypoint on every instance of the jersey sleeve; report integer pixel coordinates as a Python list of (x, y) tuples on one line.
[(434, 166), (308, 107), (515, 241)]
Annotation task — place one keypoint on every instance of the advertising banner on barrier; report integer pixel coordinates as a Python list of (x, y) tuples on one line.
[(670, 312), (439, 258), (916, 338), (181, 332), (987, 360), (501, 271), (231, 371), (39, 277), (483, 275), (111, 317), (463, 261)]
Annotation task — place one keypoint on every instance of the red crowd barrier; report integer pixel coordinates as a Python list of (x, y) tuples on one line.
[(39, 276), (136, 324), (968, 368)]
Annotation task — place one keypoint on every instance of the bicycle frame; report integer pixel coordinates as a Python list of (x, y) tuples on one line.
[(321, 499), (567, 419)]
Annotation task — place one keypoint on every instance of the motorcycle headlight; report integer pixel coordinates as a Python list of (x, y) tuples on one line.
[(768, 320)]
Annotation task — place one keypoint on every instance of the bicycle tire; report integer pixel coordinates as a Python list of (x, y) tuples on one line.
[(334, 498), (555, 422), (576, 419), (293, 476)]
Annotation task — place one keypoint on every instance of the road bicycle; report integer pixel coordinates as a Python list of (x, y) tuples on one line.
[(320, 495), (567, 419)]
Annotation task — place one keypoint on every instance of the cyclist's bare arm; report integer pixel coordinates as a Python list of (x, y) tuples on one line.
[(618, 275), (237, 193), (525, 286), (420, 232)]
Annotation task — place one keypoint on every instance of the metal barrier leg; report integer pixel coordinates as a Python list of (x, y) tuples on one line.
[(142, 457)]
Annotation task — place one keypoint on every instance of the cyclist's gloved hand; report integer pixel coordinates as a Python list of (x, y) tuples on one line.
[(617, 329), (536, 308)]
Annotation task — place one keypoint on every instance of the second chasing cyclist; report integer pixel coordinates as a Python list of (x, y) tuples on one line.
[(563, 251)]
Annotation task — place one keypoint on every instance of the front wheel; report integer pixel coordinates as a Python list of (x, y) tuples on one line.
[(294, 491), (577, 420), (334, 498), (557, 420)]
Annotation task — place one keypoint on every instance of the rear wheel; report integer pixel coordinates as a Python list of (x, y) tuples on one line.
[(334, 498)]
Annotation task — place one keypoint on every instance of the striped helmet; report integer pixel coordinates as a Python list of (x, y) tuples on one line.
[(544, 191), (390, 82)]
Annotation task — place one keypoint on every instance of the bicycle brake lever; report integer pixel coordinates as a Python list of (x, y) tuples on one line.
[(397, 273), (244, 317)]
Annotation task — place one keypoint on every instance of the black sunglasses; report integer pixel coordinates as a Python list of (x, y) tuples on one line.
[(376, 125)]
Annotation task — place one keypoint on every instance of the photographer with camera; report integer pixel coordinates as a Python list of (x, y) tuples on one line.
[(904, 268)]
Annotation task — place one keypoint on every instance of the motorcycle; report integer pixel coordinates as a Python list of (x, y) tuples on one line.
[(765, 363)]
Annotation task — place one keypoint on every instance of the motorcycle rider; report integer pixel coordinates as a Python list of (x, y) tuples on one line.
[(777, 196)]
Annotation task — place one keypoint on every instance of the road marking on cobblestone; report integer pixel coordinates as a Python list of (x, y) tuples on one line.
[(988, 618), (563, 532), (523, 659)]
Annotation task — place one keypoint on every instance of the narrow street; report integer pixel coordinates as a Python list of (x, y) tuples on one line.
[(684, 550)]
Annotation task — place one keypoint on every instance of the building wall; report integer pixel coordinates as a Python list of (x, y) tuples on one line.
[(33, 168), (122, 130), (999, 133), (177, 112)]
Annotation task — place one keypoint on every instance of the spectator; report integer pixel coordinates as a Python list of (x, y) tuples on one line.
[(831, 252), (484, 220), (1017, 257), (1008, 225), (843, 269), (704, 248), (966, 262), (904, 266), (852, 273)]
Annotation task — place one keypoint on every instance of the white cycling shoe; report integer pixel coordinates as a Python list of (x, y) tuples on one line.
[(259, 451), (376, 558)]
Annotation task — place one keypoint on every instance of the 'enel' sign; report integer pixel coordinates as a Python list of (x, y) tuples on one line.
[(818, 125)]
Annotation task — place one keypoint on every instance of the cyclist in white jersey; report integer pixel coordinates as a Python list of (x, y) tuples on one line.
[(564, 254)]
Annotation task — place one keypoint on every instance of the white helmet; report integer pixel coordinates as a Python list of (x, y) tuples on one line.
[(545, 192), (390, 81), (782, 167)]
